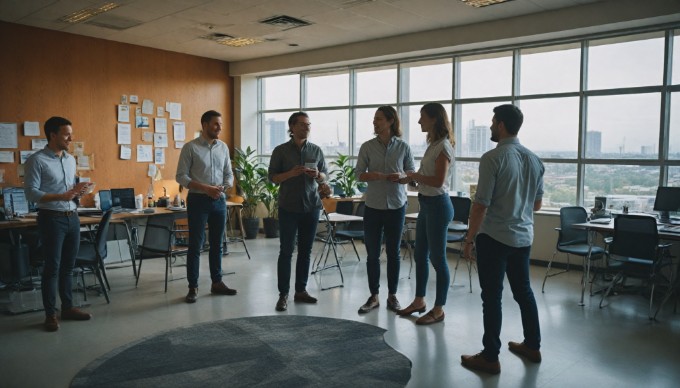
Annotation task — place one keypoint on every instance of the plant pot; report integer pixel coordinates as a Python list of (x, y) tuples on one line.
[(251, 227), (271, 227)]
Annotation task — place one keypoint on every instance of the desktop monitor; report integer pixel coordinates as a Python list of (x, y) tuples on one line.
[(667, 200), (125, 198), (15, 197), (105, 201)]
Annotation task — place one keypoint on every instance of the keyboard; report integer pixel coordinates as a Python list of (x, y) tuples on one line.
[(671, 229)]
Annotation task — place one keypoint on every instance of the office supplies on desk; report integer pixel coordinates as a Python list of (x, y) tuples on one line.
[(670, 229), (601, 221)]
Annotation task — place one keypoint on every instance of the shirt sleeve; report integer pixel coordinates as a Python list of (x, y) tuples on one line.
[(409, 164), (321, 166), (184, 165), (486, 182), (539, 191), (362, 161), (274, 163), (227, 173), (32, 180)]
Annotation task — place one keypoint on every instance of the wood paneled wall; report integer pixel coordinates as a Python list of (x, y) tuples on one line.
[(46, 73)]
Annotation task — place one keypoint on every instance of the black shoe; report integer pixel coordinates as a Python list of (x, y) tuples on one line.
[(370, 304), (192, 295), (393, 303), (221, 289), (282, 304), (304, 297)]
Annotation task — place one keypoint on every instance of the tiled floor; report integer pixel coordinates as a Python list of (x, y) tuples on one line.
[(582, 346)]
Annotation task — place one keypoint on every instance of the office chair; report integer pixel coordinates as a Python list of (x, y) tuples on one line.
[(91, 256), (457, 232), (635, 252), (353, 230), (573, 242)]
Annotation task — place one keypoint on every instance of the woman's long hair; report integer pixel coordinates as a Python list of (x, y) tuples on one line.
[(442, 125)]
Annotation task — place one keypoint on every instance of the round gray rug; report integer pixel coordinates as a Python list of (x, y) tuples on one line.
[(270, 351)]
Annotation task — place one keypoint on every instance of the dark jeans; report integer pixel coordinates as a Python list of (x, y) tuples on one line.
[(494, 260), (302, 225), (202, 209), (60, 237), (391, 223), (431, 228)]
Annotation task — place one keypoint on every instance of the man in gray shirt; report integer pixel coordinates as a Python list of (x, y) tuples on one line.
[(299, 167), (501, 227), (205, 169), (50, 181)]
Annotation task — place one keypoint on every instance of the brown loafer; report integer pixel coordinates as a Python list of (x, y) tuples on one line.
[(192, 295), (410, 310), (304, 297), (430, 318), (524, 351), (75, 314), (51, 322), (222, 289), (479, 363), (282, 304)]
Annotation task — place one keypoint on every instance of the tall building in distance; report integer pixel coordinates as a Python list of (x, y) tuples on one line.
[(593, 143), (478, 139), (277, 132)]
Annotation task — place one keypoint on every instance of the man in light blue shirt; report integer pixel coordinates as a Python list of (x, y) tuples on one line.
[(501, 227), (205, 169), (50, 181)]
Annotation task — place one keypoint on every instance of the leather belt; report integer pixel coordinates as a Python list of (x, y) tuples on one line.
[(57, 213)]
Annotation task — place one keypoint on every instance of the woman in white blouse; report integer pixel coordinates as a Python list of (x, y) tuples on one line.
[(435, 212)]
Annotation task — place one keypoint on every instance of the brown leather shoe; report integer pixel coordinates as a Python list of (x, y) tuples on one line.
[(282, 304), (479, 363), (304, 297), (192, 295), (51, 322), (75, 314), (430, 318), (222, 289), (393, 303), (410, 310), (370, 304), (524, 351)]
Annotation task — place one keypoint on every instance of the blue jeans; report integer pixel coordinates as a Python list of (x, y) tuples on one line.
[(391, 223), (431, 229), (60, 236), (202, 209), (494, 260), (302, 225)]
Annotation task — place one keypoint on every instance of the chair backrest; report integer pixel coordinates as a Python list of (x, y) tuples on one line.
[(344, 207), (102, 234), (158, 235), (569, 216), (635, 236), (360, 209), (461, 209)]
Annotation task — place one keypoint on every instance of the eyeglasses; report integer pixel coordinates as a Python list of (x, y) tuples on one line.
[(308, 125)]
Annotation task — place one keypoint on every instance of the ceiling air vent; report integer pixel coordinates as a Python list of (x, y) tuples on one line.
[(113, 22), (285, 22)]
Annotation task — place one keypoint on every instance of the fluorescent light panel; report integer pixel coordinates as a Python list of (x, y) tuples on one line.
[(483, 3), (238, 42), (87, 13)]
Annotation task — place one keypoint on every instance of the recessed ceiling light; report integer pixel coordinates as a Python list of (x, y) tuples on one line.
[(87, 13), (483, 3), (238, 42)]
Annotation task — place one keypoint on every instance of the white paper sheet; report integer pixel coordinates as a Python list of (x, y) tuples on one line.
[(25, 154), (78, 148), (134, 99), (179, 129), (6, 156), (147, 136), (38, 144), (32, 128), (142, 121), (175, 110), (124, 134), (124, 113), (160, 140), (144, 153), (8, 135), (151, 172), (83, 162), (160, 125), (179, 144), (125, 152), (159, 155), (160, 111), (147, 107)]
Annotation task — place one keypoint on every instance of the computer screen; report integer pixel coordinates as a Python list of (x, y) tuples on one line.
[(105, 201), (667, 200), (124, 198), (16, 198)]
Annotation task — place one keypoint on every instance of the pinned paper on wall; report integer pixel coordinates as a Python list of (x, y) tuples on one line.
[(125, 152), (78, 148), (138, 111), (85, 162), (174, 109), (6, 157), (31, 128), (134, 99), (124, 134), (23, 155), (152, 171), (147, 136), (142, 122), (159, 155), (124, 113), (160, 125), (179, 129), (160, 111), (147, 107), (8, 135), (38, 144), (144, 153), (124, 99), (160, 140), (179, 144)]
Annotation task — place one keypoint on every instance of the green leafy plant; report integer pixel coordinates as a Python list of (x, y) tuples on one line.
[(343, 175), (250, 180), (270, 196)]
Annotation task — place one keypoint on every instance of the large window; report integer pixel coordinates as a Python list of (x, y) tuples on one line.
[(597, 110)]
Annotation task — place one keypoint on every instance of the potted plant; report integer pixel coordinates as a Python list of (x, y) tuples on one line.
[(270, 198), (251, 185), (343, 176)]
